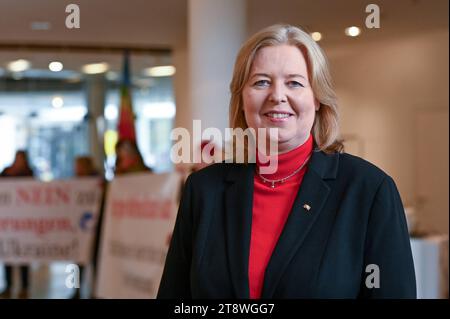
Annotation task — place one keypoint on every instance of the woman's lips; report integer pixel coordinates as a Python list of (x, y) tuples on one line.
[(277, 117)]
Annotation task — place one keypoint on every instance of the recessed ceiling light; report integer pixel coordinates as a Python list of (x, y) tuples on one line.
[(353, 31), (55, 66), (316, 36), (95, 68), (19, 65), (157, 71), (57, 102)]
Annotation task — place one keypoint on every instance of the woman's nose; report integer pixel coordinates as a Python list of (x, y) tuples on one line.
[(278, 94)]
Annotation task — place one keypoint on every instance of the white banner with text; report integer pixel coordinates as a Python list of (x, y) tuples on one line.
[(139, 218), (48, 221)]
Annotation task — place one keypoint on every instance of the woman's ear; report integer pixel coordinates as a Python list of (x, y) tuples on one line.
[(317, 104)]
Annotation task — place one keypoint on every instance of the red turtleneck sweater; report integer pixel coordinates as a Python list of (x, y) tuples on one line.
[(271, 207)]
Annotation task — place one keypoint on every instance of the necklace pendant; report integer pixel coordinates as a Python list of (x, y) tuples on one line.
[(273, 185)]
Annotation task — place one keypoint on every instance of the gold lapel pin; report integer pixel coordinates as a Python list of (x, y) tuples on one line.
[(307, 207)]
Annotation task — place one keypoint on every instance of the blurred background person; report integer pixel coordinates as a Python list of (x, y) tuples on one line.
[(19, 168), (84, 166), (129, 159)]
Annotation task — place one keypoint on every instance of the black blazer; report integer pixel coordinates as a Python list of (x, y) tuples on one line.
[(356, 219)]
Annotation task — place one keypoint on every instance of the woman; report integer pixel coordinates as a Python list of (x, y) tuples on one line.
[(84, 166), (324, 225), (19, 168), (129, 159)]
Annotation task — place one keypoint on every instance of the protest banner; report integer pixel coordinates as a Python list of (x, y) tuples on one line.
[(48, 221), (139, 217)]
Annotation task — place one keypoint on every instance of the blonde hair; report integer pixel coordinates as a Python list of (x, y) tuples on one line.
[(326, 124)]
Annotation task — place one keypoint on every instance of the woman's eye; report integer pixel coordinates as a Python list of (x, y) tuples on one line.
[(261, 83), (295, 84)]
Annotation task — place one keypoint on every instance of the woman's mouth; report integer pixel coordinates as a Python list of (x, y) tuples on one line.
[(278, 116)]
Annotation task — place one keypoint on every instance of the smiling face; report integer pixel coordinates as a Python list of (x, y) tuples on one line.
[(278, 95)]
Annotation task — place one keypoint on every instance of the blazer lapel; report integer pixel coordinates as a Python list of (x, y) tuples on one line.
[(313, 192), (238, 217)]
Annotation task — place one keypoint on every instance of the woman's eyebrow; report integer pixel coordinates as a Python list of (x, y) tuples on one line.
[(260, 74), (296, 75)]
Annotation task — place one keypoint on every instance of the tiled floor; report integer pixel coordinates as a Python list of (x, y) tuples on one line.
[(47, 281)]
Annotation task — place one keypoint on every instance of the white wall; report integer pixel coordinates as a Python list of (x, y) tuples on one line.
[(382, 86)]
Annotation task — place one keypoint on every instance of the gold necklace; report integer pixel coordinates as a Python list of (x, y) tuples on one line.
[(282, 180)]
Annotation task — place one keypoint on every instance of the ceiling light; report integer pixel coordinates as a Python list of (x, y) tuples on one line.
[(95, 68), (316, 36), (353, 31), (19, 65), (158, 71), (55, 66)]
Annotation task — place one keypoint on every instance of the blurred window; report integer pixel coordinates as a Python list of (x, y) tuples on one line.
[(45, 112)]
